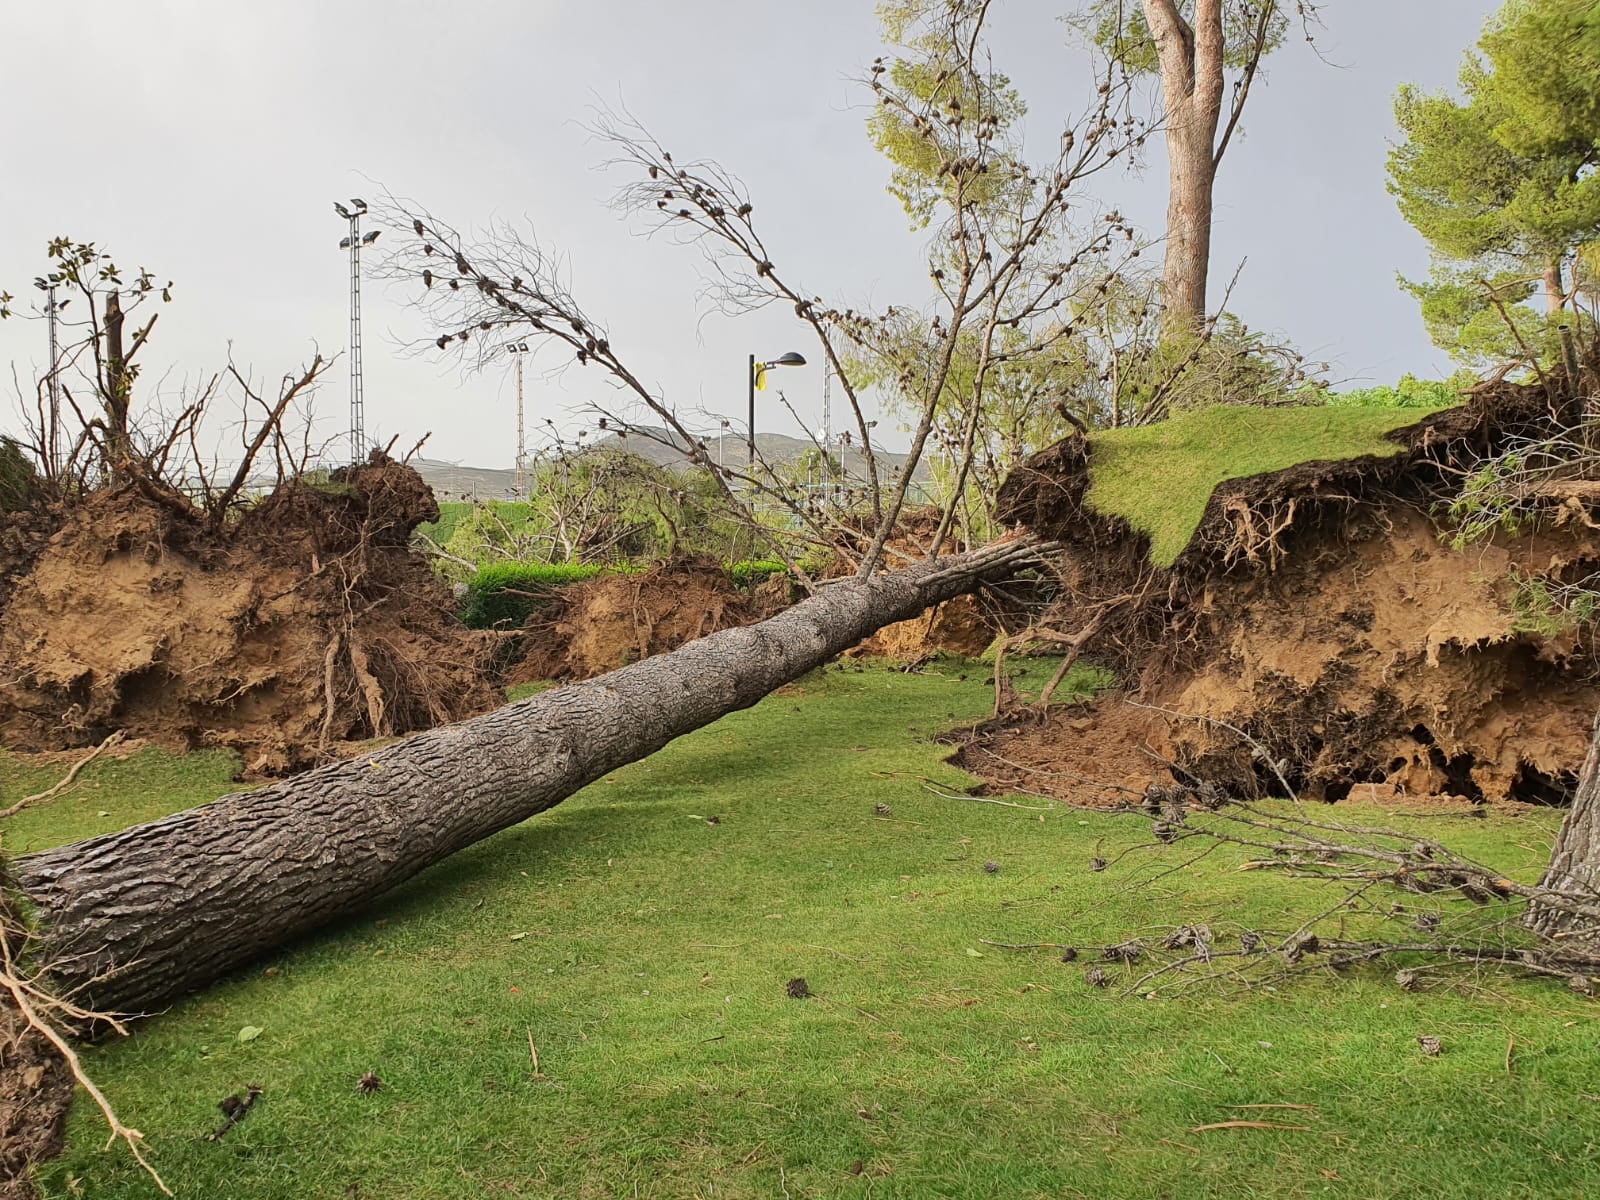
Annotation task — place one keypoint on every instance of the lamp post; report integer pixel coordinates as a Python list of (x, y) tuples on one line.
[(517, 350), (353, 243), (790, 359)]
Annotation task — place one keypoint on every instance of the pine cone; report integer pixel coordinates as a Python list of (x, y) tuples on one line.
[(798, 989), (1095, 977), (1431, 1046), (369, 1083), (883, 810), (991, 867)]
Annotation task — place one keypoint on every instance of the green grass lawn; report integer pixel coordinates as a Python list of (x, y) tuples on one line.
[(1160, 477), (645, 952)]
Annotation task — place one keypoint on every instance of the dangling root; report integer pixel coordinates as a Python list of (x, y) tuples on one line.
[(30, 999)]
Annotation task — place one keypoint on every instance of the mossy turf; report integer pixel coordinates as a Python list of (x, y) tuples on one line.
[(645, 952), (1159, 478)]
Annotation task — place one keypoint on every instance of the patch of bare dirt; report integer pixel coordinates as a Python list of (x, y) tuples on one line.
[(1320, 612), (1096, 755), (612, 620), (960, 626), (306, 622), (35, 1092)]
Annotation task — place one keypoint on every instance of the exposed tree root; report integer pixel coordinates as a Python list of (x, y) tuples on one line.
[(36, 1005)]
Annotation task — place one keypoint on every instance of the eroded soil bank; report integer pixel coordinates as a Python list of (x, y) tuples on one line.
[(1322, 614), (305, 622)]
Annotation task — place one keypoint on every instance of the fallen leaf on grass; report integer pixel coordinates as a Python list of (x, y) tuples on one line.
[(1326, 1174), (250, 1033), (1250, 1125), (517, 937)]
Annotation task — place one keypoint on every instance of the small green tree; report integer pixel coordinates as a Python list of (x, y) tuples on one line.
[(1501, 183)]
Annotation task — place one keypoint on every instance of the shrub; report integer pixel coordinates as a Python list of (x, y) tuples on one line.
[(18, 481), (502, 594), (748, 573), (1410, 392)]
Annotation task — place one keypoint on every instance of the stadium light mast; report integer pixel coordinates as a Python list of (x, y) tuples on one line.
[(353, 243), (52, 379), (520, 487)]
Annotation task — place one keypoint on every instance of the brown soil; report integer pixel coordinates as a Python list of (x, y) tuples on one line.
[(1319, 612), (35, 1092), (306, 622), (960, 626), (1095, 755), (613, 620)]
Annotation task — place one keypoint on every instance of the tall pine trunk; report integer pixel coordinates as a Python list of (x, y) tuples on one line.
[(131, 920)]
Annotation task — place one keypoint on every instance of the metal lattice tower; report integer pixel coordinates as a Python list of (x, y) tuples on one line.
[(827, 430), (358, 399), (520, 486), (52, 451)]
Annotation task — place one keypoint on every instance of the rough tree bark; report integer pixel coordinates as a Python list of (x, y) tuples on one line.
[(134, 919), (1575, 862), (1191, 58)]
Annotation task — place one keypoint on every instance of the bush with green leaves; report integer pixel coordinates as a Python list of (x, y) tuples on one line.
[(1410, 392), (750, 572), (501, 595), (19, 482)]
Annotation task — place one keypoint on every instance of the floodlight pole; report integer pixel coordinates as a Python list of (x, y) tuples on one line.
[(52, 453), (520, 486), (358, 400)]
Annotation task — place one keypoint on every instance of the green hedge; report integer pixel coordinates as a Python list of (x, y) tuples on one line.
[(749, 572), (495, 595)]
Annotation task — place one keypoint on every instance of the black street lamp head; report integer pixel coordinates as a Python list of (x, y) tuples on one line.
[(341, 210), (790, 359), (361, 205), (368, 238)]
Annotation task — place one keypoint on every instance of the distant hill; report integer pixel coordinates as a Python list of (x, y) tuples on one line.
[(451, 481)]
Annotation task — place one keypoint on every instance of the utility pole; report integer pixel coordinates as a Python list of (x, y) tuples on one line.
[(353, 243)]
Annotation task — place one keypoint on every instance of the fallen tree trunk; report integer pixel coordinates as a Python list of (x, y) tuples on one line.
[(131, 920)]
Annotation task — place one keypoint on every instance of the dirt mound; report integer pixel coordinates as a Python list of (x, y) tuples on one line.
[(1094, 755), (23, 537), (1319, 611), (960, 626), (35, 1092), (308, 621), (613, 620)]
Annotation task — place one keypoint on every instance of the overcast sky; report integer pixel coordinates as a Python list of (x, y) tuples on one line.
[(207, 139)]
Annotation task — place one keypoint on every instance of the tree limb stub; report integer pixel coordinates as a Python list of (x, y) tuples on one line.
[(132, 920)]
